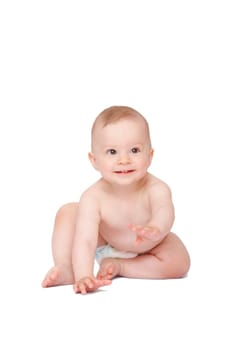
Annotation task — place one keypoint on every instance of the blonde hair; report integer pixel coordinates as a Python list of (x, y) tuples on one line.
[(113, 114)]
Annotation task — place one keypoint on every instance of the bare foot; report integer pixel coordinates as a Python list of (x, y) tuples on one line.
[(58, 276), (109, 269)]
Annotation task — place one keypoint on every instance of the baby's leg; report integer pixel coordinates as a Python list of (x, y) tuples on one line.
[(64, 229), (169, 259)]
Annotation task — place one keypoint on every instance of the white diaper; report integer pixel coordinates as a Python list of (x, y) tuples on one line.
[(106, 251)]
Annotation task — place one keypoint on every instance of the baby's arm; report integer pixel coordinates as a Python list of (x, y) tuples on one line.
[(162, 215), (84, 245)]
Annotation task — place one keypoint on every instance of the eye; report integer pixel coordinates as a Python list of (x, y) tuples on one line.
[(111, 151), (135, 150)]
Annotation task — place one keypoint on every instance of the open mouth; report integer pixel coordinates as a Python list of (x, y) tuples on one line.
[(124, 171)]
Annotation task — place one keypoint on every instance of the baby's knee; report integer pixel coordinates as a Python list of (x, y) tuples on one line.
[(179, 267)]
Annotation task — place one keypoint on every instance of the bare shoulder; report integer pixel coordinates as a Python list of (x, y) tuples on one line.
[(158, 188), (92, 193), (89, 204)]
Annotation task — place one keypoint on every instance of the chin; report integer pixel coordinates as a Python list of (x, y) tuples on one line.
[(127, 181)]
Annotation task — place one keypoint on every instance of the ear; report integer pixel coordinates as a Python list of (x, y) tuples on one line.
[(92, 160), (151, 154)]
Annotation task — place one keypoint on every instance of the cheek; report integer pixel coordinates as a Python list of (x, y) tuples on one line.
[(145, 162), (104, 164), (143, 159)]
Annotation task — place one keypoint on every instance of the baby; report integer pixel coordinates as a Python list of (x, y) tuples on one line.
[(123, 220)]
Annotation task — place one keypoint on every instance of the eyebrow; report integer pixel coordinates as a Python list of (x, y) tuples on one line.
[(118, 146)]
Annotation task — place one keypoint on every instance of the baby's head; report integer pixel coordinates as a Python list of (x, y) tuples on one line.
[(113, 115), (121, 145)]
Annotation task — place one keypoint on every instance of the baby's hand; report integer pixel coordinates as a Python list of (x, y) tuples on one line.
[(89, 284), (145, 232)]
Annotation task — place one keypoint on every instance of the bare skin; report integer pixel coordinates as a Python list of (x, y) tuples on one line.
[(169, 259), (128, 208), (62, 272)]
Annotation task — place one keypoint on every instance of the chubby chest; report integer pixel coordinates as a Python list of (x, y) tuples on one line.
[(115, 219), (116, 215)]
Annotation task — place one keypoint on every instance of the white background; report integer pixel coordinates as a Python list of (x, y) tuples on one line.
[(61, 63)]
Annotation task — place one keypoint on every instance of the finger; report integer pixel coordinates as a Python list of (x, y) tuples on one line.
[(145, 231), (132, 227), (138, 240), (102, 282), (75, 288), (89, 283), (106, 282), (135, 228), (82, 288)]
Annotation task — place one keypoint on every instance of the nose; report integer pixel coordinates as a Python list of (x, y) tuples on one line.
[(124, 159)]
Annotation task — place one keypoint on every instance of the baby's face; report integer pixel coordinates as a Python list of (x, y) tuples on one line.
[(122, 151)]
